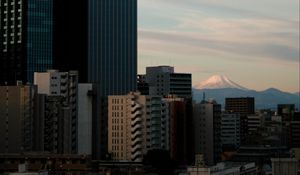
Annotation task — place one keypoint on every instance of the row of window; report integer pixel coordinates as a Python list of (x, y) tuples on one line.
[(117, 101), (117, 127), (117, 134), (117, 114), (117, 107), (117, 121), (116, 154), (116, 147), (117, 141)]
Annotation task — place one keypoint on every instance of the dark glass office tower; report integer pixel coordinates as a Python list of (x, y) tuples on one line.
[(112, 57), (25, 39), (12, 41), (39, 44), (70, 37)]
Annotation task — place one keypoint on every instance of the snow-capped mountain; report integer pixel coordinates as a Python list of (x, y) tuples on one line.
[(221, 87), (218, 82)]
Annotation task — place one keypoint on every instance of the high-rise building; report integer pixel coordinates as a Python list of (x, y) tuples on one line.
[(243, 106), (112, 46), (112, 58), (164, 81), (207, 125), (70, 37), (136, 124), (26, 30), (17, 118), (230, 131), (181, 130)]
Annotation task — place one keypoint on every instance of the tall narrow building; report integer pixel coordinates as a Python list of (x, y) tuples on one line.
[(112, 58), (70, 36), (26, 29), (207, 121)]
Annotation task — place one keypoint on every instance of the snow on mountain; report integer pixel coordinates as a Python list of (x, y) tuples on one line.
[(218, 82)]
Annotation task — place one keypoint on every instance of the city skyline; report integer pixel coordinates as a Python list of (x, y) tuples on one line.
[(255, 43)]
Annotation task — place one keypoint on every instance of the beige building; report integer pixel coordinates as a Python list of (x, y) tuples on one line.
[(136, 124), (17, 107)]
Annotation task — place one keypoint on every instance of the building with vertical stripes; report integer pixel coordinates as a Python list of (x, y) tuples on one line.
[(26, 31), (112, 58)]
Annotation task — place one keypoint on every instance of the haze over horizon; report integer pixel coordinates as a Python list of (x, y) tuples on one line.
[(255, 43)]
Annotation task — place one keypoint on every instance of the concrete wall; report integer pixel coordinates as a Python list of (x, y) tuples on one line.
[(84, 119)]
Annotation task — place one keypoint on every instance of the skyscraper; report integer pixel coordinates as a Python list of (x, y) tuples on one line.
[(25, 39), (70, 36), (112, 58), (112, 42)]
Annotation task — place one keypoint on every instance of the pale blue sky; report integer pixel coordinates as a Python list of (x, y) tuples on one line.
[(253, 42)]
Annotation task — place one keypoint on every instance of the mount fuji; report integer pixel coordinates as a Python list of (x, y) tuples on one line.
[(218, 82), (220, 87)]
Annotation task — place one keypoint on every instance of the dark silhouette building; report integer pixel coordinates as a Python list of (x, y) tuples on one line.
[(286, 111), (112, 58), (70, 37), (243, 106), (96, 37), (181, 130), (26, 31), (142, 86)]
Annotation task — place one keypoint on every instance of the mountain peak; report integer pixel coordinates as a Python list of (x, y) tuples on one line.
[(218, 82)]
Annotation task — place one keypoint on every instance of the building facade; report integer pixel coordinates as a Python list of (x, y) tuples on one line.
[(181, 130), (207, 127), (225, 168), (136, 124), (65, 85), (243, 106), (17, 118), (255, 123), (112, 58), (57, 133), (164, 81), (230, 131), (85, 111), (26, 32)]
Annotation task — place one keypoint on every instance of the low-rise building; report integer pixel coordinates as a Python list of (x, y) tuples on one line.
[(224, 168)]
